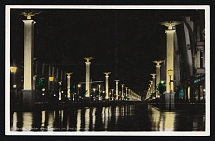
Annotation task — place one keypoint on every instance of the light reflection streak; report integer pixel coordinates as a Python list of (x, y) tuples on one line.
[(27, 120), (43, 119), (78, 125), (87, 119)]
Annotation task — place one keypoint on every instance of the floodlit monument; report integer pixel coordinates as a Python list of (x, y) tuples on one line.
[(88, 75), (28, 92), (170, 32), (106, 85)]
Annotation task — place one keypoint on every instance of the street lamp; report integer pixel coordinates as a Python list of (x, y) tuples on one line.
[(51, 79), (170, 74), (13, 70)]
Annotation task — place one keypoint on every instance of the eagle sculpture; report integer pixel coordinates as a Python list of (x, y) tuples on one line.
[(29, 14)]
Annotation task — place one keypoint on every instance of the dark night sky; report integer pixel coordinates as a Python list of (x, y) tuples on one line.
[(124, 42)]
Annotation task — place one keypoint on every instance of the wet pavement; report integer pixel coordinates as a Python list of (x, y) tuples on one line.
[(139, 117)]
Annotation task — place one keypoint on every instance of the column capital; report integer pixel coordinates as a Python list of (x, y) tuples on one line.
[(88, 58), (117, 80), (123, 85), (157, 62), (126, 87), (153, 75), (69, 73), (29, 21), (170, 24), (107, 73)]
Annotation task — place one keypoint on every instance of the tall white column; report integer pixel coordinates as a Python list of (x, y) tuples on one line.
[(28, 92), (117, 89), (158, 71), (106, 85), (68, 85), (169, 51), (157, 75), (28, 53), (122, 95), (87, 87)]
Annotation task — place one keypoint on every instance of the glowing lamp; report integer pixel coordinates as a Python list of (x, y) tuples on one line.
[(13, 69), (170, 72), (51, 78)]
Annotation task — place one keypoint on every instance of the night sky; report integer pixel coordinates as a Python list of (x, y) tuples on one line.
[(124, 42)]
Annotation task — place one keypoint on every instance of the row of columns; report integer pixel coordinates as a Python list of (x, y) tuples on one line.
[(170, 32)]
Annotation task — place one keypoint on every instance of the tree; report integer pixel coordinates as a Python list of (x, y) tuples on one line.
[(41, 84), (161, 87)]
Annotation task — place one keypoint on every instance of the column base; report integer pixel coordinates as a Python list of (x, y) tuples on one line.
[(169, 100), (28, 99)]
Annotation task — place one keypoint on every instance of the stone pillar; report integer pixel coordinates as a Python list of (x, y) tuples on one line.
[(117, 90), (68, 85), (170, 51), (106, 83), (28, 92), (126, 91), (153, 80), (169, 61), (151, 87), (157, 71), (87, 87), (157, 75), (122, 95)]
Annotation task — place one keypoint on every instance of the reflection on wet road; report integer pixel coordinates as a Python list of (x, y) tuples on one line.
[(113, 118)]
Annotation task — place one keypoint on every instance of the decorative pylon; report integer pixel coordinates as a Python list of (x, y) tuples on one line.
[(68, 84), (87, 87), (117, 89), (106, 85), (169, 50), (157, 75)]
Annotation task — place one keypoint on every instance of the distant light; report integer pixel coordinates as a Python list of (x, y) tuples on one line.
[(43, 93), (14, 86), (54, 94), (43, 89)]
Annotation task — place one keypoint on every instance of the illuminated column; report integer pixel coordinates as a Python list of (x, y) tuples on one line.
[(153, 80), (28, 92), (117, 91), (157, 71), (88, 75), (122, 96), (169, 51), (126, 92), (106, 83), (151, 86), (68, 84)]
